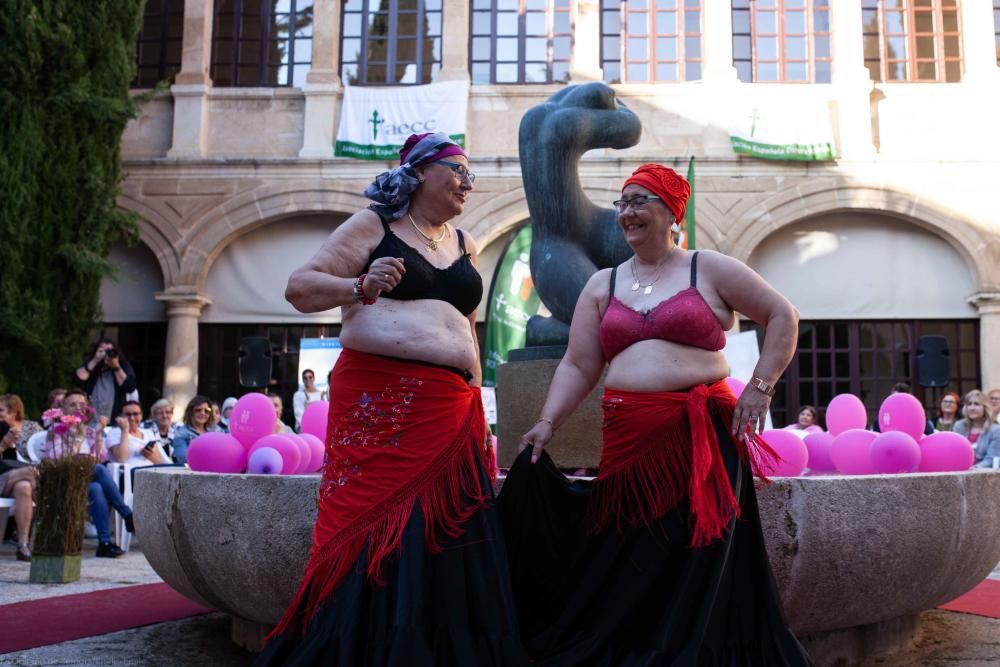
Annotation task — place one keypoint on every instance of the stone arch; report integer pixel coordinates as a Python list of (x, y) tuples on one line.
[(219, 227), (759, 220), (157, 234), (496, 216)]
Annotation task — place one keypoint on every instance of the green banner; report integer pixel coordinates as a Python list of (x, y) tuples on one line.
[(513, 301), (818, 152), (689, 235), (377, 152)]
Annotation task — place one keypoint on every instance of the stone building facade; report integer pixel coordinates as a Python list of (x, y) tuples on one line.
[(898, 237)]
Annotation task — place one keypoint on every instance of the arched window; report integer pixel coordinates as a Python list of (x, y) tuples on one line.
[(651, 41), (262, 42), (912, 40), (520, 41), (782, 40), (158, 49), (390, 42)]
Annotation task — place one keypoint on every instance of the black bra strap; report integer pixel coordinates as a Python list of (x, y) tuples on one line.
[(461, 240), (694, 269)]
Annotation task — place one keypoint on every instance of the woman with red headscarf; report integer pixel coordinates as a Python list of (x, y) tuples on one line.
[(407, 563), (661, 559)]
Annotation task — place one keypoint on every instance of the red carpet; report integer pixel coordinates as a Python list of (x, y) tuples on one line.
[(66, 617), (983, 600)]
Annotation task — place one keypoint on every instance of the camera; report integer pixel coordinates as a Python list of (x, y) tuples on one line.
[(112, 353)]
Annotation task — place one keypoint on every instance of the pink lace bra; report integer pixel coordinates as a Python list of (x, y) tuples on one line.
[(684, 318)]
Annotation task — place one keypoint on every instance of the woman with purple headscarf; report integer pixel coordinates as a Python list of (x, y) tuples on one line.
[(407, 565)]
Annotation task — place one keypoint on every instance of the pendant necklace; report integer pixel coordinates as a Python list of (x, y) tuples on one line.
[(647, 288), (431, 243)]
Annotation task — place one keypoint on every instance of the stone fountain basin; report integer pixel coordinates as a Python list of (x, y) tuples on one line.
[(853, 557)]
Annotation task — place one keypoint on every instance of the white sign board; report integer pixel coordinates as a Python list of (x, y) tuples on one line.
[(318, 355)]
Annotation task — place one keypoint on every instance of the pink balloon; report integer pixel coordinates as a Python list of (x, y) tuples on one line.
[(902, 412), (314, 419), (819, 445), (265, 461), (792, 451), (845, 412), (216, 452), (850, 452), (290, 453), (252, 418), (305, 454), (946, 452), (317, 452), (736, 386), (894, 452)]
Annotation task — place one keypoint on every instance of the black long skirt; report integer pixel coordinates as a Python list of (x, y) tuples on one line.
[(642, 597), (451, 609)]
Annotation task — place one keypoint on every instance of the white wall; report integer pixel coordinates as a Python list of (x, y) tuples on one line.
[(130, 296)]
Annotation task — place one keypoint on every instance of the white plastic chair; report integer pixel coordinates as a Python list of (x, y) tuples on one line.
[(117, 470), (34, 446), (6, 509)]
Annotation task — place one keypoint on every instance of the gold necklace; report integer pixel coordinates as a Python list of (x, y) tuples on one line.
[(647, 287), (431, 243)]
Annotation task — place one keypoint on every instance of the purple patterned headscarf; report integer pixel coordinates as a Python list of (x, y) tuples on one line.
[(391, 190)]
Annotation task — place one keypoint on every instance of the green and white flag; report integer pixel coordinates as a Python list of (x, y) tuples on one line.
[(375, 121), (784, 132), (513, 301)]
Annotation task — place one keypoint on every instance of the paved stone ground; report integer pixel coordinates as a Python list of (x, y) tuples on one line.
[(946, 639)]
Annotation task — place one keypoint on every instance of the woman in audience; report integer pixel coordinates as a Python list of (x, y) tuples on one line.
[(227, 410), (56, 397), (198, 419), (162, 425), (994, 396), (279, 408), (977, 425), (15, 442), (808, 421), (947, 412), (130, 443)]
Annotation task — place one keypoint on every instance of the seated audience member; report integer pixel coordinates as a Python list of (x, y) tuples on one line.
[(279, 408), (162, 425), (808, 421), (977, 425), (948, 411), (227, 410), (55, 398), (18, 482), (107, 378), (198, 419), (19, 429), (903, 388), (994, 398), (130, 443), (303, 397), (102, 492)]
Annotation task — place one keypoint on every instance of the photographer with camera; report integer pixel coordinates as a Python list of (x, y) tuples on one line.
[(106, 377)]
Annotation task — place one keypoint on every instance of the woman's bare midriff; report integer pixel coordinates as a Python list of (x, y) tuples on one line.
[(423, 330), (659, 365)]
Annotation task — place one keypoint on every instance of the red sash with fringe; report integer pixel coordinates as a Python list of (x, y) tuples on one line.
[(660, 447), (398, 433)]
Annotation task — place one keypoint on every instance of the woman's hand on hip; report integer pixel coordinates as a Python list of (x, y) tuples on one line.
[(383, 275), (750, 413), (539, 436)]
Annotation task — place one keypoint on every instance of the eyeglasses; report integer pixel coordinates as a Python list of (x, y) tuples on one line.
[(131, 414), (203, 410), (634, 202), (460, 170)]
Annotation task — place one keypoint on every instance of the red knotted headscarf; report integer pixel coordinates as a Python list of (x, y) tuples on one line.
[(666, 184)]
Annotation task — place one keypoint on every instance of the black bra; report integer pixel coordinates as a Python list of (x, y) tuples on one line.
[(459, 284)]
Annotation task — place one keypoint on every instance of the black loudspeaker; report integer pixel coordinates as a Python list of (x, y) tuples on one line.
[(933, 361), (255, 361)]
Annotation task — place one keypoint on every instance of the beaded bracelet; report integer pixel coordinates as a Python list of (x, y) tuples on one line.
[(359, 291)]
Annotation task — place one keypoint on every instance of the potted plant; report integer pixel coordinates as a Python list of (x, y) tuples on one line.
[(61, 504)]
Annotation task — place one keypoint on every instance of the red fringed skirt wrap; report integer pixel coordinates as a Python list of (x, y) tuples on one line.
[(399, 433), (660, 447)]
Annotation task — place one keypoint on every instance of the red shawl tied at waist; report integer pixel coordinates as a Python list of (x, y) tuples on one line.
[(660, 447), (398, 433)]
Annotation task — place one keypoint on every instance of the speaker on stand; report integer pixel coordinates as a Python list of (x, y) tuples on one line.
[(255, 362), (933, 361)]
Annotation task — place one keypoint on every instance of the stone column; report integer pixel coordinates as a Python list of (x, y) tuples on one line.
[(987, 303), (455, 41), (717, 43), (322, 82), (193, 82), (180, 363), (851, 81), (585, 58), (979, 56)]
